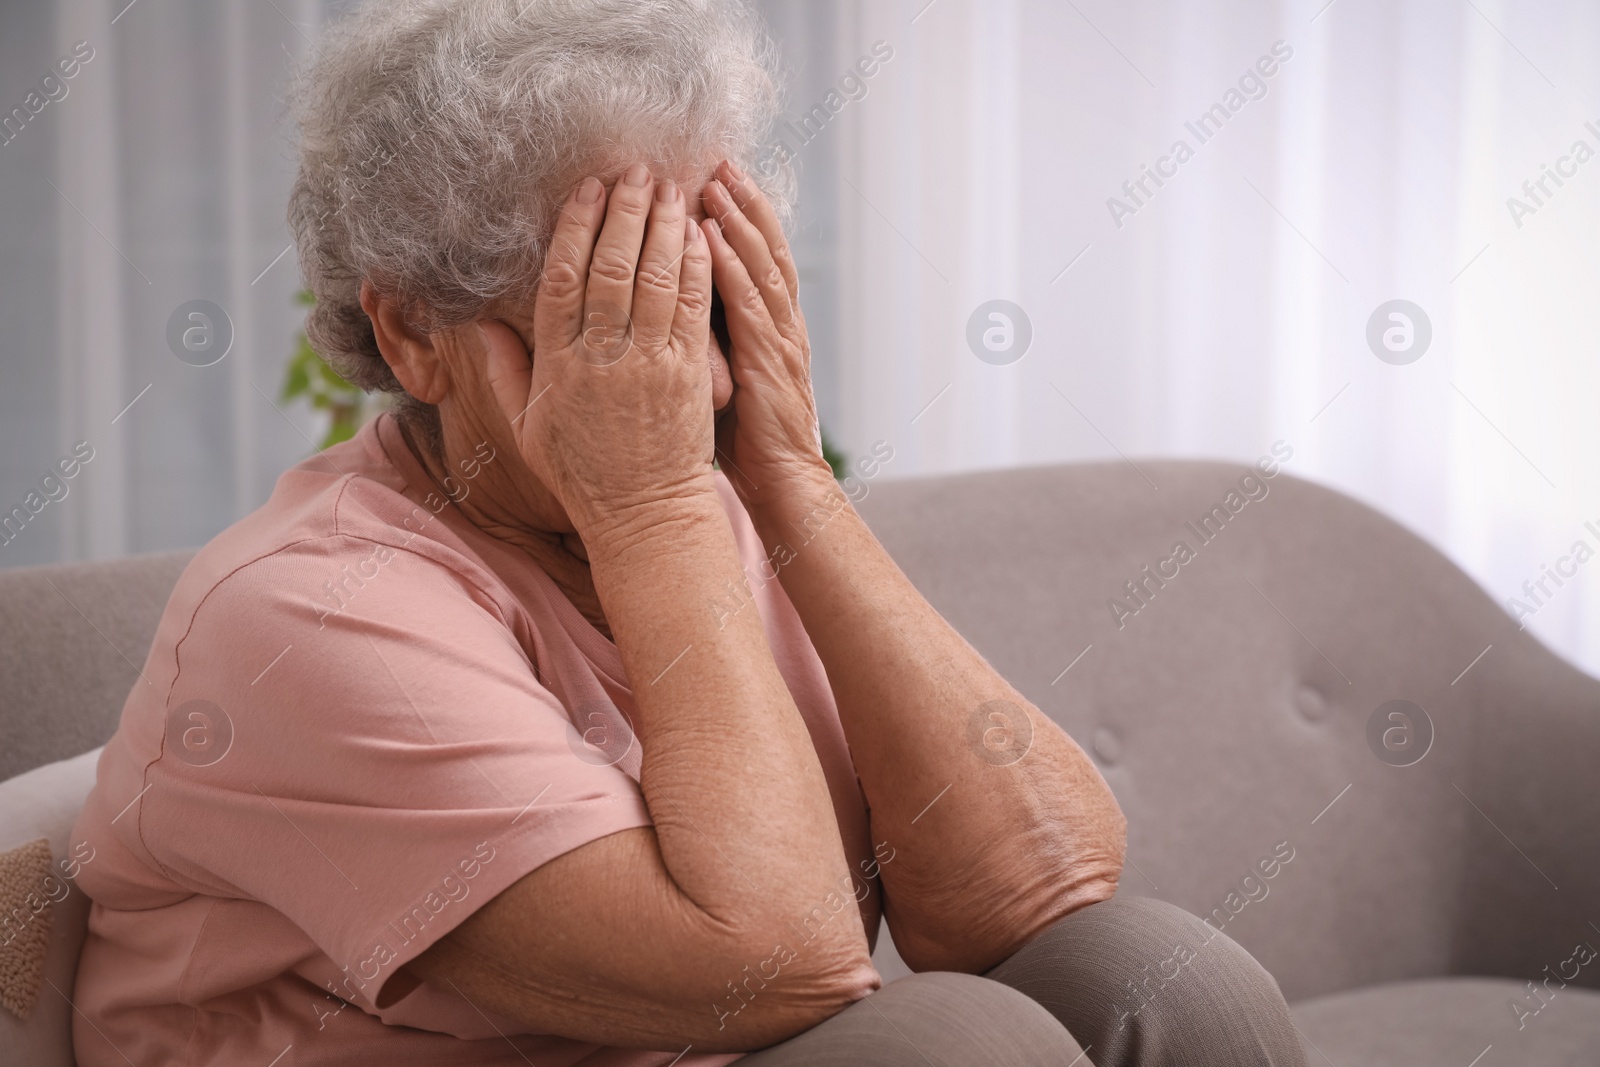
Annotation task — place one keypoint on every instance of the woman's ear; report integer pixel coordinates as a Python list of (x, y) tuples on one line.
[(412, 356)]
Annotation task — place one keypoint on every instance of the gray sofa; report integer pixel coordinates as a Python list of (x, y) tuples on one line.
[(1232, 714)]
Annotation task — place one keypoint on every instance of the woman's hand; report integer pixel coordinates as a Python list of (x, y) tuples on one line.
[(768, 442), (631, 939), (612, 410)]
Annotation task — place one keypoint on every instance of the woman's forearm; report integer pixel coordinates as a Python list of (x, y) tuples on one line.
[(741, 808), (999, 821)]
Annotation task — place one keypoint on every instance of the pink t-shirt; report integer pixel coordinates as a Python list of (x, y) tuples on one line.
[(355, 726)]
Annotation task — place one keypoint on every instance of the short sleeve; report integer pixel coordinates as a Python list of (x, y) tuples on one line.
[(373, 757)]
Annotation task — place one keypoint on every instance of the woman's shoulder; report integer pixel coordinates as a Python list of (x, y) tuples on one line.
[(334, 525)]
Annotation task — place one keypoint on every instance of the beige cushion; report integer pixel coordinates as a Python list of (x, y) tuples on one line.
[(43, 804)]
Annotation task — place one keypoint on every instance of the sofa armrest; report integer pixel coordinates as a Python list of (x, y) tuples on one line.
[(1532, 879)]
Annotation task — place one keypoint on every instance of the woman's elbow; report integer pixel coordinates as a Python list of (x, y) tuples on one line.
[(794, 987), (1012, 901), (1094, 874)]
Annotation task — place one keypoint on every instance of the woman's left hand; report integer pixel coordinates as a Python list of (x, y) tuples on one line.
[(767, 441)]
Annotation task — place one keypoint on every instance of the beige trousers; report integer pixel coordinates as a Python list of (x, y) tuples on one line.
[(1130, 982)]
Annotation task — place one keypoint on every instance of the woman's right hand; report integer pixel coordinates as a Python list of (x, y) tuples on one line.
[(607, 388)]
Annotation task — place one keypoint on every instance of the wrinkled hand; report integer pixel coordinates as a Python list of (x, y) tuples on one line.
[(612, 410), (768, 442)]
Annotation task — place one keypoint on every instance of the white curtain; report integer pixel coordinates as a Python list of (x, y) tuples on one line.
[(153, 176), (1228, 310)]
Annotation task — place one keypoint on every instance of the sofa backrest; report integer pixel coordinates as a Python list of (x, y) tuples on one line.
[(73, 639)]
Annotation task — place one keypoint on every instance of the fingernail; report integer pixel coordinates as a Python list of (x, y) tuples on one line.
[(691, 232), (733, 169), (716, 227), (589, 190), (638, 175), (667, 191), (722, 201)]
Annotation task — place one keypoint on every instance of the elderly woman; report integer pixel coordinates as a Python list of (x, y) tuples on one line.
[(569, 713)]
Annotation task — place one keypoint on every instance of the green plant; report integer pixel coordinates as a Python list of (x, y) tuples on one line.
[(836, 459), (308, 376)]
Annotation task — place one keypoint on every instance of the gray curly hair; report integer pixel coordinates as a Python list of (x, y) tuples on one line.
[(439, 138)]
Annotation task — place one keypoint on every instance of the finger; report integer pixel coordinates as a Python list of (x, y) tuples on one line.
[(558, 308), (509, 369), (691, 322), (748, 319), (751, 245), (655, 290), (754, 203), (616, 253)]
